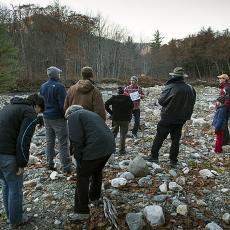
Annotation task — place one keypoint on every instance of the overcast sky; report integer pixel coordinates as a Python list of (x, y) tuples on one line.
[(173, 18)]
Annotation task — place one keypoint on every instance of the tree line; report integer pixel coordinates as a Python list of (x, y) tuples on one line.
[(37, 37)]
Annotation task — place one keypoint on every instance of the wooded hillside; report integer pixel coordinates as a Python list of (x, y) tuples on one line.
[(57, 36)]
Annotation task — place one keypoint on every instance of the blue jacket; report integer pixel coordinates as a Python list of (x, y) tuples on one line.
[(54, 94), (220, 118)]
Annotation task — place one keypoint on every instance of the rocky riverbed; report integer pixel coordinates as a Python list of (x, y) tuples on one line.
[(195, 195)]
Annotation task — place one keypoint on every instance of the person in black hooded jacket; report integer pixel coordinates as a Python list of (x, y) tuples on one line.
[(17, 124), (177, 100)]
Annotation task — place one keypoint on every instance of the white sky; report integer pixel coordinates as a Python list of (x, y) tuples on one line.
[(173, 18)]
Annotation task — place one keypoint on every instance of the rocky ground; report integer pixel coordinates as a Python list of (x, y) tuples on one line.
[(195, 195)]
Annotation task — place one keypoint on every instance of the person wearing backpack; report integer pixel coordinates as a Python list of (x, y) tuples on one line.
[(225, 91)]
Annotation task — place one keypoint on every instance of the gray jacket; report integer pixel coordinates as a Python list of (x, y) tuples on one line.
[(90, 136)]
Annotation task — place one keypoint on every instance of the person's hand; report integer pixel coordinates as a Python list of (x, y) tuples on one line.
[(20, 171), (40, 121)]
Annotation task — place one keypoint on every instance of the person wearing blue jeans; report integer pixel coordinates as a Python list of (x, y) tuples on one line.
[(17, 125), (54, 94), (12, 188)]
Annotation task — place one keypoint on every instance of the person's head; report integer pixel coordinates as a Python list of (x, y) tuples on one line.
[(86, 73), (220, 100), (223, 78), (134, 80), (120, 90), (53, 73), (37, 101), (72, 109), (178, 72)]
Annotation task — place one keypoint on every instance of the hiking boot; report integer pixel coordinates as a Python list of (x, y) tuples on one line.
[(78, 217), (152, 159), (25, 220)]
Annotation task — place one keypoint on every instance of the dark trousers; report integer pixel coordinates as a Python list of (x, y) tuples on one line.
[(136, 116), (162, 132), (123, 126), (89, 169)]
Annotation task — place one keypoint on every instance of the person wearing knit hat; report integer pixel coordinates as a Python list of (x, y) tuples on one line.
[(55, 123), (220, 123), (224, 90), (136, 94), (86, 94)]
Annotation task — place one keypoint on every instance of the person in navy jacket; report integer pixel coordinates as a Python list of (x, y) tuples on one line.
[(54, 94), (220, 123)]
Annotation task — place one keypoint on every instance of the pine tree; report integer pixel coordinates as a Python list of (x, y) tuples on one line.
[(8, 61)]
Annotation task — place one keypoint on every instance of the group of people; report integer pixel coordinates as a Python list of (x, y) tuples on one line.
[(77, 119)]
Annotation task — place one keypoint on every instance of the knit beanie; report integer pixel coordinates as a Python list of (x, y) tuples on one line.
[(53, 72)]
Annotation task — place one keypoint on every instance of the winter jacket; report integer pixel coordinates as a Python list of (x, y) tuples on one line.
[(54, 94), (91, 137), (223, 86), (84, 93), (121, 107), (17, 124), (131, 89), (220, 118), (177, 100)]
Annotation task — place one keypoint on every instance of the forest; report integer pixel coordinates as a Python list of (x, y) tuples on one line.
[(33, 38)]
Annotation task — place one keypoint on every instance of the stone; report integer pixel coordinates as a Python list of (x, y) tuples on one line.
[(127, 176), (138, 167), (206, 173), (226, 218), (174, 186), (135, 221), (118, 182), (213, 226), (154, 215), (182, 209)]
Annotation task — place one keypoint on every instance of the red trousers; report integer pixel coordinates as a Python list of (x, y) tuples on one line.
[(219, 141)]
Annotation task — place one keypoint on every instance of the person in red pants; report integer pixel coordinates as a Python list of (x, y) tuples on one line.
[(219, 123)]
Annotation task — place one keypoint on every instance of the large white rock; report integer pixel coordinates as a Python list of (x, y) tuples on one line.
[(118, 182), (213, 226), (206, 173), (154, 215)]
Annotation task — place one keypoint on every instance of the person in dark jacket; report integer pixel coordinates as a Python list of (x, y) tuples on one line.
[(55, 123), (177, 100), (17, 124), (93, 143), (121, 113), (220, 123)]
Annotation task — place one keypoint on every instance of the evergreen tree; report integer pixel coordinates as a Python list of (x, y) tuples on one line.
[(157, 40), (8, 61)]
